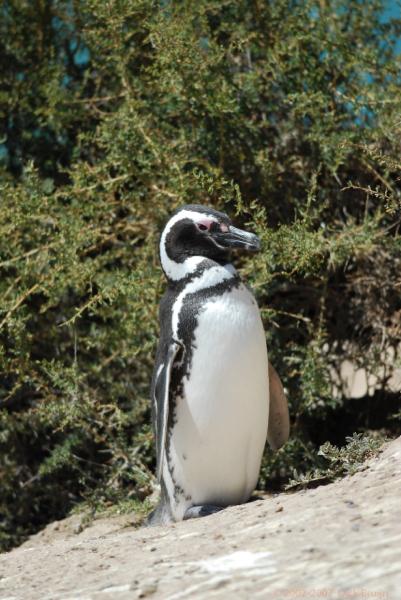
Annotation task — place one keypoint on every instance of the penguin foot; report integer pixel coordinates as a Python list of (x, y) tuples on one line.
[(203, 510)]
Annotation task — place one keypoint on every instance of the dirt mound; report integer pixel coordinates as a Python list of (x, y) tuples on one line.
[(337, 541)]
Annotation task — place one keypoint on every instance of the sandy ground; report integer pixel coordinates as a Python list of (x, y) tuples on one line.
[(340, 541)]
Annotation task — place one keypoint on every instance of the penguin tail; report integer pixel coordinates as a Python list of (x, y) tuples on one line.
[(160, 515)]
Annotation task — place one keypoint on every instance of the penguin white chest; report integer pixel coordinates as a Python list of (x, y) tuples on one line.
[(220, 429)]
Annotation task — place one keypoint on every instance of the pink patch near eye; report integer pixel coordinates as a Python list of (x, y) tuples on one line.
[(204, 225), (224, 228)]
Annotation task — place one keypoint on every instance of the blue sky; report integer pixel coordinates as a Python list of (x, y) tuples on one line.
[(393, 10)]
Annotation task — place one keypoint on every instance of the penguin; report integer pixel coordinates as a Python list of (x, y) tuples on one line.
[(210, 388)]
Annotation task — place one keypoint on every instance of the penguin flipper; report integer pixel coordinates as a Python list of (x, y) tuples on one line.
[(161, 400), (278, 430)]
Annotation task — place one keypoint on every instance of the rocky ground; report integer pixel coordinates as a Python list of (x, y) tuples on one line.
[(337, 541)]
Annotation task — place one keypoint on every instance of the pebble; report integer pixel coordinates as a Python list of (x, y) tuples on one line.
[(147, 589)]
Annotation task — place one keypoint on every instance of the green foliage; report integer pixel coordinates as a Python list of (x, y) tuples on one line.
[(284, 114), (339, 462)]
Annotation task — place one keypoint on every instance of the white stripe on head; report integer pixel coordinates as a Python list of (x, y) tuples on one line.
[(175, 270)]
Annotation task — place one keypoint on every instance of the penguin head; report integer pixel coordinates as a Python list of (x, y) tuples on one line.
[(195, 233)]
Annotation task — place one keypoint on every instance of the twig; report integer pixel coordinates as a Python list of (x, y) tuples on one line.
[(20, 300), (79, 312)]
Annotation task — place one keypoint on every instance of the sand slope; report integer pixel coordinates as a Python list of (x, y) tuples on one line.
[(338, 541)]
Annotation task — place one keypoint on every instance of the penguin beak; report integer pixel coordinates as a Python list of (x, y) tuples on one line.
[(237, 238)]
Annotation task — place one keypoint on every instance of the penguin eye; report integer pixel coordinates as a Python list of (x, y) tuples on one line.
[(206, 224)]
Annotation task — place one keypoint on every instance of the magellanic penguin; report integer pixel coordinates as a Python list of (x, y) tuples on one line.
[(210, 386)]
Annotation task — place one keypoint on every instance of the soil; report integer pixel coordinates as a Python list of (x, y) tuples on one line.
[(339, 541)]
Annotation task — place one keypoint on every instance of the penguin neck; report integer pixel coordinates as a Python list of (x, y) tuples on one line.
[(196, 267), (209, 279)]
